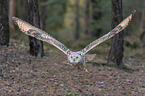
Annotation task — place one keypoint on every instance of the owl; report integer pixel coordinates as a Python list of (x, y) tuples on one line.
[(74, 58)]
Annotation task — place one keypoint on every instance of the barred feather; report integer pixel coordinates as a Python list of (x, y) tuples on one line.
[(39, 34), (116, 30)]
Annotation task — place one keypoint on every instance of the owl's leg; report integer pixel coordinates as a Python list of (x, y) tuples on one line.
[(84, 64)]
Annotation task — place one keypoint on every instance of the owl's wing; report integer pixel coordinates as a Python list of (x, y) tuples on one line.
[(110, 34), (39, 34)]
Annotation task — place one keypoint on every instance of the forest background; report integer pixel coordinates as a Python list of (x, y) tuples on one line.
[(75, 23), (67, 19)]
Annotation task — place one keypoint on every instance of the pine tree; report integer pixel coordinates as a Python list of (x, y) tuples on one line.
[(36, 46), (116, 52)]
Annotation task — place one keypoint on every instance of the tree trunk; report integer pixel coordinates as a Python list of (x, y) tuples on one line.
[(77, 19), (116, 52), (87, 19), (36, 46), (4, 23)]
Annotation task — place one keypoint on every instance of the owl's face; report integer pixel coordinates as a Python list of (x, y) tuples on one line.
[(74, 58)]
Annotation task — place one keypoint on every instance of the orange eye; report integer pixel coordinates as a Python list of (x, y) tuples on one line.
[(77, 57), (71, 57)]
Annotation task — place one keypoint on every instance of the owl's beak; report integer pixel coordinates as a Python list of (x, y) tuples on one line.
[(74, 59)]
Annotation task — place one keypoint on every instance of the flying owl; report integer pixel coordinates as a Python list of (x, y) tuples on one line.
[(74, 58)]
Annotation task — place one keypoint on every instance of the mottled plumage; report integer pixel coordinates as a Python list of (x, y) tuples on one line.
[(75, 58)]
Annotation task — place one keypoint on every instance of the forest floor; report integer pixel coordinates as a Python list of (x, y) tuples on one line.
[(23, 74)]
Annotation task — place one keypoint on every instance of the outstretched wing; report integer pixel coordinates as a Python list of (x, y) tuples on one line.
[(116, 30), (39, 34)]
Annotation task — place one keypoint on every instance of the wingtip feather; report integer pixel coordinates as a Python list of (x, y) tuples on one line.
[(133, 12)]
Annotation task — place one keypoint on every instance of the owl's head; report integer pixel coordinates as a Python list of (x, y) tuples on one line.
[(74, 57)]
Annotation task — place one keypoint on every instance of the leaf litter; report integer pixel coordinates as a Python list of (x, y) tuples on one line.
[(23, 74)]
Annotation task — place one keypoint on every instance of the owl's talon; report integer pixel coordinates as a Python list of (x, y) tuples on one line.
[(86, 71)]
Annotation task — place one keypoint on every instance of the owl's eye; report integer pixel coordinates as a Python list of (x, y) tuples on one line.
[(71, 57), (77, 57)]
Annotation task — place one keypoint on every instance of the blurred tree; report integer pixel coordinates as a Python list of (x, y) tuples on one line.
[(36, 46), (43, 5), (87, 18), (77, 20), (55, 14), (21, 8), (116, 51), (4, 23), (12, 5), (96, 16), (142, 27)]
